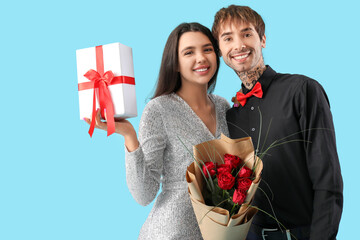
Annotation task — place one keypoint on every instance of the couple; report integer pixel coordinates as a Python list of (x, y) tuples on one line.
[(303, 179)]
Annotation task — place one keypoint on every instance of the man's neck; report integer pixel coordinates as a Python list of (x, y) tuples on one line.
[(249, 78)]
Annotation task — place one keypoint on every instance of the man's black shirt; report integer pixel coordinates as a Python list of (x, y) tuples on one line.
[(304, 176)]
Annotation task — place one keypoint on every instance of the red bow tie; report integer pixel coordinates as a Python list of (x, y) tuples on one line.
[(256, 91)]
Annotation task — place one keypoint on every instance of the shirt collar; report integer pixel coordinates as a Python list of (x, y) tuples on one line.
[(265, 80)]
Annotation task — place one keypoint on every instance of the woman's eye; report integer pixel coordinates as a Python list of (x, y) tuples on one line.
[(208, 50), (188, 53), (227, 39)]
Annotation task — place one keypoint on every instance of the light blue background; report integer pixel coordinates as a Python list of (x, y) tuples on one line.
[(57, 183)]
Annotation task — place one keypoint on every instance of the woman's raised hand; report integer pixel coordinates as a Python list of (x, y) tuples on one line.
[(122, 127)]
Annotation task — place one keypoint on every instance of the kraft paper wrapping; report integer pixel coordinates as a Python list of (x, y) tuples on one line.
[(216, 223)]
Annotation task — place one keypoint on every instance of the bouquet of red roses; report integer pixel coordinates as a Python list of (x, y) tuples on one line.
[(231, 181), (222, 182)]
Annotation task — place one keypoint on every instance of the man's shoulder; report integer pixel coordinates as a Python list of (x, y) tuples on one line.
[(295, 80), (298, 84)]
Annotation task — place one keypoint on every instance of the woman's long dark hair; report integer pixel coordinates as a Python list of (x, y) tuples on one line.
[(169, 78)]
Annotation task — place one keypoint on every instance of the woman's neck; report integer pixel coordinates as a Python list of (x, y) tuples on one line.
[(195, 96)]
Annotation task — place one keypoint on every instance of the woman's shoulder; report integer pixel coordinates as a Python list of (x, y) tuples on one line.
[(160, 103), (173, 101), (219, 101), (162, 99)]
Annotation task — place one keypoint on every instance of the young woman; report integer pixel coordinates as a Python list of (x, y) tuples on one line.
[(182, 108)]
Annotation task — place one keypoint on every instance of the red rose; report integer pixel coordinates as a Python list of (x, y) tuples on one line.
[(245, 172), (226, 180), (210, 166), (233, 160), (222, 168), (243, 184), (239, 196)]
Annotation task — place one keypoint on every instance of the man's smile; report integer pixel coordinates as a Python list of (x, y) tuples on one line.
[(241, 57)]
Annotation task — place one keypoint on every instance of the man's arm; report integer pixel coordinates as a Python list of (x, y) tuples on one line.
[(322, 161)]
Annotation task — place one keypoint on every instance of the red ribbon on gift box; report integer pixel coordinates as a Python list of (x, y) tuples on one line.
[(99, 81)]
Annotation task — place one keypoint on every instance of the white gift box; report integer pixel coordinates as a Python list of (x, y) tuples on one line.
[(118, 59)]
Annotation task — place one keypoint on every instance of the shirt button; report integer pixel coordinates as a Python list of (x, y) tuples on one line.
[(252, 108), (253, 129)]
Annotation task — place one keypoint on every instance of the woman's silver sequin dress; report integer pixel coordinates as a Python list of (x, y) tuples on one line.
[(161, 158)]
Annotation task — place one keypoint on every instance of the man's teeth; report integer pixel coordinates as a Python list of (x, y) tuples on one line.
[(241, 57), (201, 70)]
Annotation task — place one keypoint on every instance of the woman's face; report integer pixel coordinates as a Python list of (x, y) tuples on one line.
[(197, 58)]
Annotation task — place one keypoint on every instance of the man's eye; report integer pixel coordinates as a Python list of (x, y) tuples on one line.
[(248, 35), (227, 39)]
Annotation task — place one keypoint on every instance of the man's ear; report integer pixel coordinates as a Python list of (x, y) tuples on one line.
[(263, 41)]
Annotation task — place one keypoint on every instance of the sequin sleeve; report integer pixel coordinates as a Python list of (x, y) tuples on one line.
[(144, 165)]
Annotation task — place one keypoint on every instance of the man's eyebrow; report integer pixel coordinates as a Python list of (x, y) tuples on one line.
[(247, 29), (243, 30), (226, 34)]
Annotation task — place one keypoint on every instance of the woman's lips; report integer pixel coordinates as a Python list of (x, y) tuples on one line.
[(202, 70)]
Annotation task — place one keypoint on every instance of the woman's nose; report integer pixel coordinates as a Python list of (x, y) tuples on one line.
[(201, 58)]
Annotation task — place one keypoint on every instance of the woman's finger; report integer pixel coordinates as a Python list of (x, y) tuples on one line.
[(99, 123), (87, 120)]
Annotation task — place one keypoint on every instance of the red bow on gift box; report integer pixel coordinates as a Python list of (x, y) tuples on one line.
[(100, 81)]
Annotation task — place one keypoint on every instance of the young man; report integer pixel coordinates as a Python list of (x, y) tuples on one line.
[(302, 183)]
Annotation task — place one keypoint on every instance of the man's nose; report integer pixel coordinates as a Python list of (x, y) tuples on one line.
[(239, 44)]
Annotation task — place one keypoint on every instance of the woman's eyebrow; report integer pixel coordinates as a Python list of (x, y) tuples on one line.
[(207, 45), (187, 48), (192, 47)]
